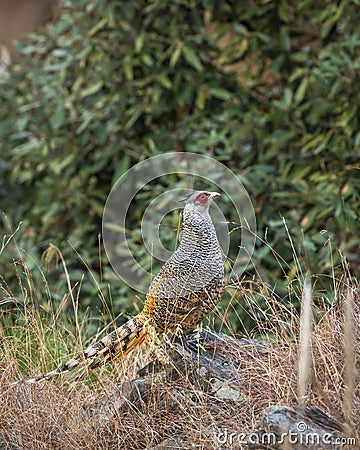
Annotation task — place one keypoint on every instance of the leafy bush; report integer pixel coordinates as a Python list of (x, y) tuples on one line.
[(271, 89)]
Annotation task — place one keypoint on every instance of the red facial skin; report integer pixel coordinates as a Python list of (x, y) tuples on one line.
[(202, 198)]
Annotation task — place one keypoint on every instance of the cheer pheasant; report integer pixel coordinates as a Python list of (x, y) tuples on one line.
[(186, 289)]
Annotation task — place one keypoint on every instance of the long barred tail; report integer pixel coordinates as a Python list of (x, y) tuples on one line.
[(113, 346)]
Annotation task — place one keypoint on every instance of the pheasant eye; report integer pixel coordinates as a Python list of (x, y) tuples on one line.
[(202, 198)]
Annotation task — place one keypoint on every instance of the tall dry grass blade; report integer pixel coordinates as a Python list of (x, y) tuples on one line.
[(7, 238), (349, 353), (305, 352), (75, 300)]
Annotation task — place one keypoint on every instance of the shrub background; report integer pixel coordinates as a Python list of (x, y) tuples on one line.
[(272, 89)]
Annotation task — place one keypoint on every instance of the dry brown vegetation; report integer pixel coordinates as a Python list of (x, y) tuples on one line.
[(99, 411)]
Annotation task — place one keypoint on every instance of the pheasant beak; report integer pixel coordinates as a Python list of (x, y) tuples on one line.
[(214, 194)]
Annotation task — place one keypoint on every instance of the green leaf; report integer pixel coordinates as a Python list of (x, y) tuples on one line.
[(58, 165), (285, 38), (128, 69), (92, 89), (176, 55), (301, 90), (192, 58), (100, 25), (87, 116), (200, 99), (133, 118), (139, 42), (164, 81), (284, 12), (220, 93), (147, 60), (58, 117)]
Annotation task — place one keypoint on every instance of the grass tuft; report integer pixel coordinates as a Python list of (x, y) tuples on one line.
[(311, 360)]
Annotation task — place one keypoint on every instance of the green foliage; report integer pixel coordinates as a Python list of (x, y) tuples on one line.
[(269, 88)]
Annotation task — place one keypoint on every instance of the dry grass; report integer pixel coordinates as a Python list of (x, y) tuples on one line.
[(318, 367)]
